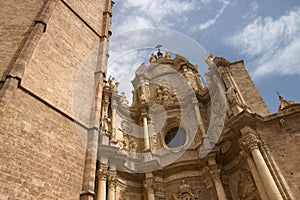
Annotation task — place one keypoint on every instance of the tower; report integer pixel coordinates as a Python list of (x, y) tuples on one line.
[(48, 48)]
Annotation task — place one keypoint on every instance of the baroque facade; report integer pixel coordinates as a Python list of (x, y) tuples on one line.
[(180, 138)]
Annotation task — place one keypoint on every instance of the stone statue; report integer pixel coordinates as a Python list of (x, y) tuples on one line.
[(232, 95), (126, 140), (105, 124), (113, 84), (185, 192), (159, 54), (123, 99), (132, 147), (158, 94), (153, 58), (184, 188), (168, 56), (209, 60)]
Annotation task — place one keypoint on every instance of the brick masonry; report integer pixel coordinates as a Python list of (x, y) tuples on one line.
[(42, 155), (17, 19), (43, 151), (284, 140), (248, 89)]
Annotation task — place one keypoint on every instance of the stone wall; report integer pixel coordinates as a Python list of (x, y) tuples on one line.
[(42, 155), (16, 22), (42, 149), (63, 63), (282, 132), (248, 89), (89, 11)]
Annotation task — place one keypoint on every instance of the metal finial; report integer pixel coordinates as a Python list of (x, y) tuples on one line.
[(158, 46)]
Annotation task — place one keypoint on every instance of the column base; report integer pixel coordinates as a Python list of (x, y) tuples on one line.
[(87, 195)]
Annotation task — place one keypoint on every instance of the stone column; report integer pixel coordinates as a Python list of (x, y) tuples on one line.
[(102, 176), (215, 173), (251, 141), (149, 186), (283, 186), (199, 118), (146, 134), (259, 185), (112, 181), (113, 121), (150, 194)]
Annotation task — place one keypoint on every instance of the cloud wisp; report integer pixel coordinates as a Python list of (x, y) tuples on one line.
[(273, 45), (138, 14), (212, 21)]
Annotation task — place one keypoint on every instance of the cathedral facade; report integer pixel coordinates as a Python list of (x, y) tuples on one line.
[(70, 136)]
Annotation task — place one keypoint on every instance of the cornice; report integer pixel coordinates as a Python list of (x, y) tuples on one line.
[(245, 118)]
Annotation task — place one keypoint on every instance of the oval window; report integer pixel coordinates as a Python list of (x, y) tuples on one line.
[(175, 137)]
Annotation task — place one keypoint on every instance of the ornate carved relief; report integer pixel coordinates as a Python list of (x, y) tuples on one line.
[(164, 96), (246, 187), (125, 141), (112, 180), (102, 174), (250, 141), (190, 76), (149, 184), (185, 192)]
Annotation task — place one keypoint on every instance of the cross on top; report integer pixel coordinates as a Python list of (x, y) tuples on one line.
[(158, 47)]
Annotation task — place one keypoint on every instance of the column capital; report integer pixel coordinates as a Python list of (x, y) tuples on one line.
[(264, 143), (250, 141), (102, 172), (112, 180), (144, 113)]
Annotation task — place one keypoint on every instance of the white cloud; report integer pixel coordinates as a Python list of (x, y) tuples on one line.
[(148, 13), (274, 45), (134, 22), (284, 62), (158, 10), (212, 21)]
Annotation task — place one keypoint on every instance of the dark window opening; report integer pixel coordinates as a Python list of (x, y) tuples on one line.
[(175, 137)]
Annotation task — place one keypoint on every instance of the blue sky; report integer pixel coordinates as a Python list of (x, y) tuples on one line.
[(265, 34)]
